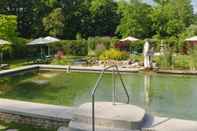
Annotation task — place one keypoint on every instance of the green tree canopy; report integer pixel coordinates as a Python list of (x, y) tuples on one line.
[(104, 17), (135, 19), (88, 18), (54, 23), (8, 26), (171, 17)]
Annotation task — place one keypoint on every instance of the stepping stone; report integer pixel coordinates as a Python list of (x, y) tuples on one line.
[(40, 82), (62, 129), (171, 124), (108, 116), (12, 130)]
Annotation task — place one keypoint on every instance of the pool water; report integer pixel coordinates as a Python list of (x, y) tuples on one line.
[(164, 95)]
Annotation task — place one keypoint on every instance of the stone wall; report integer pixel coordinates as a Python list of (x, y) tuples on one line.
[(38, 122)]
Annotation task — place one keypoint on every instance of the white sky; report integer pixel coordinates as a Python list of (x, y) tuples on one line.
[(194, 2)]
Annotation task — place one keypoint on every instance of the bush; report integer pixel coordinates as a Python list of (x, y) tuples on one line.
[(132, 47), (167, 60), (20, 48), (123, 46), (114, 54), (136, 47), (182, 62), (193, 58), (167, 42), (96, 45), (63, 61), (17, 49), (137, 58), (72, 47)]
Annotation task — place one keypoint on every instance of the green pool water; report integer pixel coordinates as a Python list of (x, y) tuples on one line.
[(164, 95)]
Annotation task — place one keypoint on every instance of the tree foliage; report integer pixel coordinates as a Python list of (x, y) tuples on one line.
[(69, 18), (54, 23), (8, 26), (135, 20), (171, 17), (104, 17)]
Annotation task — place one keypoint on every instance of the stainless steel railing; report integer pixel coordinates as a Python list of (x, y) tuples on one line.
[(93, 92)]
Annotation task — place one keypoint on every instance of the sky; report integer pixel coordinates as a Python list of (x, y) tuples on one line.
[(194, 2), (195, 5)]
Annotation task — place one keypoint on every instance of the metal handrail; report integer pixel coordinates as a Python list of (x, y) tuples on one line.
[(115, 67)]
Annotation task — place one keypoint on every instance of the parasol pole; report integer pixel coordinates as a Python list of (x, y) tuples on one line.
[(48, 50), (1, 55)]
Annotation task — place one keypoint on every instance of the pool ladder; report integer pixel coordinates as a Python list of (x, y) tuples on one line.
[(93, 92)]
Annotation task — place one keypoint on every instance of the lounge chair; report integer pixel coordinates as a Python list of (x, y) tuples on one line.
[(4, 66)]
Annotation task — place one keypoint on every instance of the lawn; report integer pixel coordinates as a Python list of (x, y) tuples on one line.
[(14, 63), (20, 127)]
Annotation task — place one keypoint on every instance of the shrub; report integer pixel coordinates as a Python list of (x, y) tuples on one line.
[(123, 46), (17, 49), (60, 59), (114, 54), (193, 58), (166, 60), (137, 58), (100, 44), (167, 42), (182, 62), (136, 47), (72, 47), (20, 48), (132, 47), (100, 48)]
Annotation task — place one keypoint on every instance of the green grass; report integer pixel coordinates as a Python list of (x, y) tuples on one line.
[(21, 127), (16, 62)]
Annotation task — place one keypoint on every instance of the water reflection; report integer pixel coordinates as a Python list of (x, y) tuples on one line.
[(147, 90)]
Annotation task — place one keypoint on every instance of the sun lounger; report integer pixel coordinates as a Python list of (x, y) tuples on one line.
[(4, 66)]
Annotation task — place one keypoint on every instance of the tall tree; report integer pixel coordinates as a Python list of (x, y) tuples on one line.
[(171, 17), (54, 23), (135, 19), (29, 15), (8, 27), (104, 17), (77, 18)]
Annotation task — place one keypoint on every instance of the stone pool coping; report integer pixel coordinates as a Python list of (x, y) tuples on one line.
[(35, 114), (18, 70), (87, 68), (37, 110), (30, 68), (66, 68), (178, 72), (53, 116)]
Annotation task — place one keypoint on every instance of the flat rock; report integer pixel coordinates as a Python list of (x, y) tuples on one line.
[(122, 116), (171, 124), (12, 130), (62, 129)]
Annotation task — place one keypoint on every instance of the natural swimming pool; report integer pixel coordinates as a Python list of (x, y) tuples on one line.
[(166, 95)]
